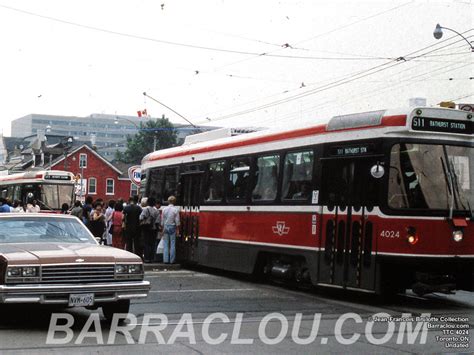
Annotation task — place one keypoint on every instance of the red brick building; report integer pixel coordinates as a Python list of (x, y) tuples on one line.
[(101, 179)]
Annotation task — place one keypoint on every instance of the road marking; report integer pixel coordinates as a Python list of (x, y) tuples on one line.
[(168, 272), (162, 275), (205, 290), (291, 318)]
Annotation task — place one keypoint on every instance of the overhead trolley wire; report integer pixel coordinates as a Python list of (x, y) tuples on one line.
[(345, 80), (360, 94), (270, 54), (180, 44)]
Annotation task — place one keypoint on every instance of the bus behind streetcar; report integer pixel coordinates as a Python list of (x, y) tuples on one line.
[(378, 201)]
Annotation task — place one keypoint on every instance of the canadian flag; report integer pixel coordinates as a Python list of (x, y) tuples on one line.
[(142, 113)]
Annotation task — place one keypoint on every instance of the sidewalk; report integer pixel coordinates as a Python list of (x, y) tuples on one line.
[(161, 267)]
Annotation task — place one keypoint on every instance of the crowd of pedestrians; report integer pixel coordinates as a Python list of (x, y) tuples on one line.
[(16, 206), (133, 226)]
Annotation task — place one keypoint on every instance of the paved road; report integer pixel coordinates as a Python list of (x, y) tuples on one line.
[(181, 318)]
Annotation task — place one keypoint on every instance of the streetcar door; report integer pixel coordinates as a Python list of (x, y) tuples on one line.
[(190, 200), (348, 193)]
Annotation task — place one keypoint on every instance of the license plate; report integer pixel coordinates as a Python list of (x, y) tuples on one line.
[(81, 300)]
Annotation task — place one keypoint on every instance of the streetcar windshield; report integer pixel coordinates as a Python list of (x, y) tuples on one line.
[(427, 176), (53, 196)]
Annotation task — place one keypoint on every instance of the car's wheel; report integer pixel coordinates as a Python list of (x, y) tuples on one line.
[(109, 309)]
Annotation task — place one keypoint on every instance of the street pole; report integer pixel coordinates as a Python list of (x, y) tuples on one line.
[(82, 181)]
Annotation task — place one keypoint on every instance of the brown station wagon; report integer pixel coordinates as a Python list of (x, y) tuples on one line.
[(54, 259)]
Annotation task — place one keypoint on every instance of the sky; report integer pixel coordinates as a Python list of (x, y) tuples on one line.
[(240, 63)]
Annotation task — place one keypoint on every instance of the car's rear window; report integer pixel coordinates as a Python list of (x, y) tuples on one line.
[(40, 229)]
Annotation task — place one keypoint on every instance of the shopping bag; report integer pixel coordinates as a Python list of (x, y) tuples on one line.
[(160, 247)]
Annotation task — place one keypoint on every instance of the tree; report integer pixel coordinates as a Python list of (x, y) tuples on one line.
[(142, 143)]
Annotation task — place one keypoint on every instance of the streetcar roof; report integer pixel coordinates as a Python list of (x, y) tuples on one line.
[(391, 120), (37, 175)]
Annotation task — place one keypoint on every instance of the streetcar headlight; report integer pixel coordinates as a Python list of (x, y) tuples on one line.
[(412, 237), (458, 235)]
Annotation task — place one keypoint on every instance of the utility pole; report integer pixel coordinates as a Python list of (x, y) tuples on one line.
[(82, 179)]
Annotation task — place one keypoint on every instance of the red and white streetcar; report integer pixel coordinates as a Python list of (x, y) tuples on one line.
[(376, 201), (50, 188)]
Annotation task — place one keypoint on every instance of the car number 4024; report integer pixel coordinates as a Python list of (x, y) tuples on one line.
[(390, 234), (81, 300)]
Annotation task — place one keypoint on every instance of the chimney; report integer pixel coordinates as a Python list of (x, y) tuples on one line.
[(40, 134), (93, 141)]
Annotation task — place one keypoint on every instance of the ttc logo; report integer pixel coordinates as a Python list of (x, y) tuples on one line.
[(280, 228)]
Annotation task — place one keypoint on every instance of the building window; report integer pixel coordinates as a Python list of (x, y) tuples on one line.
[(82, 160), (110, 187), (133, 189), (92, 186)]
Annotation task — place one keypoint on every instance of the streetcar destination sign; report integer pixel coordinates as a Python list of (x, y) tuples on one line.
[(352, 150), (441, 125), (57, 177)]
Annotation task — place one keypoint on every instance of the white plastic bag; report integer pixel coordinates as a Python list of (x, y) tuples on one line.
[(160, 247)]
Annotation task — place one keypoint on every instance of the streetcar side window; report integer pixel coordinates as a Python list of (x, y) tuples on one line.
[(266, 178), (10, 191), (155, 182), (297, 175), (239, 178), (171, 183), (17, 193), (214, 187)]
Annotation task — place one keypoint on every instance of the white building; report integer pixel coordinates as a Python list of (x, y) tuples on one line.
[(109, 131)]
